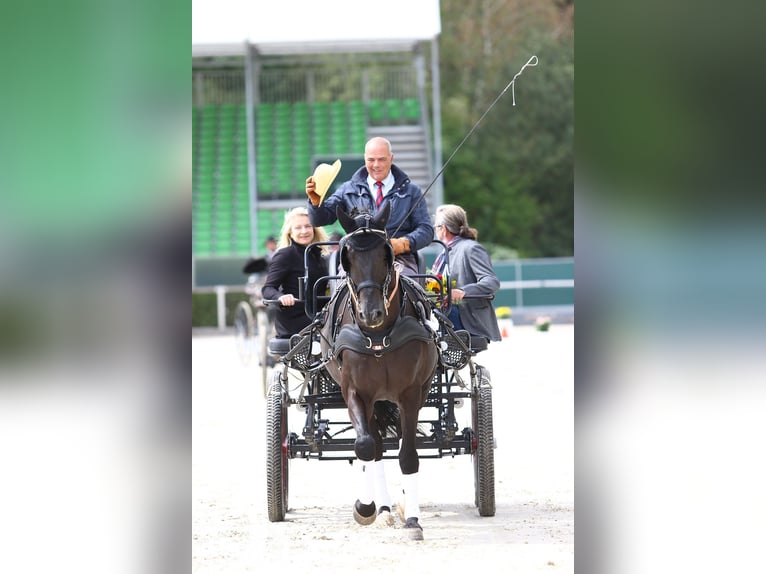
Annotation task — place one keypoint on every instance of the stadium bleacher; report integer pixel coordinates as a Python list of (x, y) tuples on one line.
[(287, 138)]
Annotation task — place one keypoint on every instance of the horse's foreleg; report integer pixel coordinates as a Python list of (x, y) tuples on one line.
[(364, 445), (364, 507), (409, 463)]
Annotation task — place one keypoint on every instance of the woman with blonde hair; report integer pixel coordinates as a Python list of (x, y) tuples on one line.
[(287, 268), (471, 270)]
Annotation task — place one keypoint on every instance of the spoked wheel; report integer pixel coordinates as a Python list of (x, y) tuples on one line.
[(484, 444), (265, 332), (277, 462), (244, 327)]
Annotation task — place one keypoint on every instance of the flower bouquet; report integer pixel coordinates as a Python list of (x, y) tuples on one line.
[(436, 288)]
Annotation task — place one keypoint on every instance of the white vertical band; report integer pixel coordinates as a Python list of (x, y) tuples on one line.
[(365, 486), (410, 490), (382, 497)]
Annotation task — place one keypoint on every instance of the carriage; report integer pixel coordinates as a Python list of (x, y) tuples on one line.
[(254, 322), (304, 377)]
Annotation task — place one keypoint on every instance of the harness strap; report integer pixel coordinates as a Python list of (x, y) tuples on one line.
[(405, 330)]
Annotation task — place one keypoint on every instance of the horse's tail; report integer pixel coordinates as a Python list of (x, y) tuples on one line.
[(386, 416)]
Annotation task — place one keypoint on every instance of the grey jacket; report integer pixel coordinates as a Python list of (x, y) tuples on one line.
[(471, 269)]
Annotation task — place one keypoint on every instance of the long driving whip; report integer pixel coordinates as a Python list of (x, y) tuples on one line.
[(531, 62)]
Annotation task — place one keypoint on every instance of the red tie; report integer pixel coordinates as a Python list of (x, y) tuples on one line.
[(379, 199)]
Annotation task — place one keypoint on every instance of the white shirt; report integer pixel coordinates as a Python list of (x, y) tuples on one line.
[(388, 184)]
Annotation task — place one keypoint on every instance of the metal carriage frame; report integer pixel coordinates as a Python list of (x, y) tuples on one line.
[(458, 378)]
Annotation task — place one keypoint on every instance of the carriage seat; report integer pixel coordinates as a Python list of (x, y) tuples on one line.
[(478, 343), (279, 347)]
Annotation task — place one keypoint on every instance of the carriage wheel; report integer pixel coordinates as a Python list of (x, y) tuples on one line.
[(483, 453), (244, 326), (276, 450), (265, 329)]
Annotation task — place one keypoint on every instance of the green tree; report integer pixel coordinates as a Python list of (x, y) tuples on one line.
[(515, 174)]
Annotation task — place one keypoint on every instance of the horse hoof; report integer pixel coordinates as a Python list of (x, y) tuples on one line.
[(413, 530), (364, 514)]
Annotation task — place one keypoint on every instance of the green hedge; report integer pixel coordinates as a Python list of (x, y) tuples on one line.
[(205, 312)]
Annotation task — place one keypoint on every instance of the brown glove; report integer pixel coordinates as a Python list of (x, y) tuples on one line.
[(400, 245), (311, 191)]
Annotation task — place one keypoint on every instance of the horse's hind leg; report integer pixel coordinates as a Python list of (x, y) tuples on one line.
[(378, 475)]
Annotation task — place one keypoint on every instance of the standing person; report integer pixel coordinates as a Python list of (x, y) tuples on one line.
[(378, 181), (287, 268), (271, 247), (472, 272)]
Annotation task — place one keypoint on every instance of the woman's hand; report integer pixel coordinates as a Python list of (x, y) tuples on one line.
[(287, 300)]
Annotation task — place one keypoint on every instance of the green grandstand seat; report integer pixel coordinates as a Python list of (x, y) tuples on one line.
[(242, 233), (355, 109), (202, 246), (376, 111), (203, 207), (412, 109), (337, 109), (319, 109), (394, 110), (285, 184), (265, 183), (264, 111), (339, 123), (201, 221), (282, 110), (225, 181)]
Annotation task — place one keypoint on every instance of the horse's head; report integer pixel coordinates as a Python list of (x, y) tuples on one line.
[(368, 259)]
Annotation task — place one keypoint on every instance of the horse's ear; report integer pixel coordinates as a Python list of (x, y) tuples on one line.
[(381, 218), (345, 220), (343, 254)]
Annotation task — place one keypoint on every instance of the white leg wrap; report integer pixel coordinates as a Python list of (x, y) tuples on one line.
[(365, 488), (410, 491), (382, 497)]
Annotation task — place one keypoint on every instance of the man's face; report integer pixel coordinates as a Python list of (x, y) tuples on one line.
[(378, 161)]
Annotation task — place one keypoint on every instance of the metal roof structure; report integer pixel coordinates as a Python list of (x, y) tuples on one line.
[(228, 27)]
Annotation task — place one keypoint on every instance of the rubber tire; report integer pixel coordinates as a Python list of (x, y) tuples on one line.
[(244, 327), (277, 460), (484, 455)]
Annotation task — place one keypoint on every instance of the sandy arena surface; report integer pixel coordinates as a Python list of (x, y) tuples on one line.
[(532, 530)]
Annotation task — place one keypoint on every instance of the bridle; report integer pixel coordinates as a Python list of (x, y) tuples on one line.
[(392, 275)]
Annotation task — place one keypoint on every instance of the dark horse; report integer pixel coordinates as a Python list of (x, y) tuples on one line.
[(383, 355)]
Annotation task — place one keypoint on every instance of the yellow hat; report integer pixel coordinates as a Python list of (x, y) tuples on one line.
[(324, 175)]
